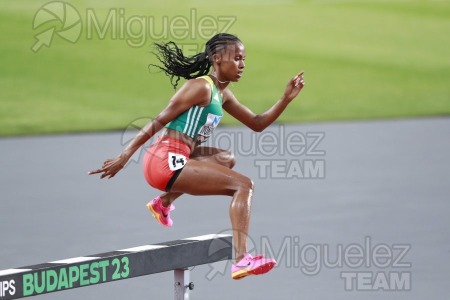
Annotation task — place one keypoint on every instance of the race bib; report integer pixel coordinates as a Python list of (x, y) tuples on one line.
[(206, 131), (176, 161)]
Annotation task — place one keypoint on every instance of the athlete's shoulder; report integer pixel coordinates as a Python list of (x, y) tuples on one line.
[(201, 83), (196, 91), (228, 95)]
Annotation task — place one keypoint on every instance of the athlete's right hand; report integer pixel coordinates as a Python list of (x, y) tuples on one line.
[(111, 167)]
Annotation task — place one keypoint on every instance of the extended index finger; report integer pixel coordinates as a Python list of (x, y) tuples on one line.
[(96, 171), (299, 75)]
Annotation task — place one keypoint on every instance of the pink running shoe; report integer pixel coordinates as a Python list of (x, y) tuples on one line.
[(161, 213), (250, 265)]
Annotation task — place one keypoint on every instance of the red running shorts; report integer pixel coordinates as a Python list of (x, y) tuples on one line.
[(164, 161)]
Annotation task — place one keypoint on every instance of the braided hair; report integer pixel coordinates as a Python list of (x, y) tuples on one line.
[(176, 65)]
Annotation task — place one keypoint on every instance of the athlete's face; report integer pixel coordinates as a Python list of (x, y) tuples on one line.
[(230, 63)]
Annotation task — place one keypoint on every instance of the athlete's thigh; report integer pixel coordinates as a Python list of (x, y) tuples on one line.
[(214, 155), (207, 178)]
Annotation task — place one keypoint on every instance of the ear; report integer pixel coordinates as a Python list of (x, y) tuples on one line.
[(216, 58)]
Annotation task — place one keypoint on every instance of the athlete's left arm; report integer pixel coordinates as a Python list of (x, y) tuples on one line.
[(258, 122)]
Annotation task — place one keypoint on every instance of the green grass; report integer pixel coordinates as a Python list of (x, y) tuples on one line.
[(362, 60)]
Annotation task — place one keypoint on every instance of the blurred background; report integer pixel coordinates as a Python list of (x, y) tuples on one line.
[(75, 85), (83, 65)]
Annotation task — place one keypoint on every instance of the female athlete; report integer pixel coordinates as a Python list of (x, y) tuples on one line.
[(177, 164)]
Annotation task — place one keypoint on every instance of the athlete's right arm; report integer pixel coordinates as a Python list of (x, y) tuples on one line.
[(193, 92)]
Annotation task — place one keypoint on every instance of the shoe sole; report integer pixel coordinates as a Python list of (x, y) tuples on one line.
[(263, 269), (155, 214)]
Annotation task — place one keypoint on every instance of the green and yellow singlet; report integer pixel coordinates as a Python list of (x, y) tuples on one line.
[(199, 122)]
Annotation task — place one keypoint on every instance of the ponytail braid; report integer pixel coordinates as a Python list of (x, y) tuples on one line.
[(176, 65)]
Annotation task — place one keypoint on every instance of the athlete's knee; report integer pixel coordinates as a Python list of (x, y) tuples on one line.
[(247, 184), (228, 159)]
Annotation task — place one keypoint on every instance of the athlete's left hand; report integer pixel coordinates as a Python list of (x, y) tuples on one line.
[(111, 167), (294, 87)]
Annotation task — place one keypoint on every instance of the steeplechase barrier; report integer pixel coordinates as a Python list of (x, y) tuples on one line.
[(89, 270)]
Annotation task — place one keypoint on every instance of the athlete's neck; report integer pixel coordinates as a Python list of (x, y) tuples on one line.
[(221, 85)]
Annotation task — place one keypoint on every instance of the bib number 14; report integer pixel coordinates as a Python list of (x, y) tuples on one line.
[(176, 161)]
